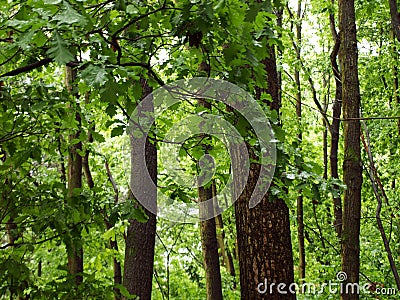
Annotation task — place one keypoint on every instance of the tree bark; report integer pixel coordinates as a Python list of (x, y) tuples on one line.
[(140, 239), (352, 169), (335, 127), (395, 17), (263, 232), (74, 248), (208, 230)]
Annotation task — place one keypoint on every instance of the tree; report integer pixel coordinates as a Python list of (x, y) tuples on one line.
[(335, 126), (264, 242), (74, 243), (208, 229), (140, 238), (352, 168)]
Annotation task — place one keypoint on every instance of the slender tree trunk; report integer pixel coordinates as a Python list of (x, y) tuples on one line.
[(226, 253), (140, 239), (74, 248), (113, 242), (208, 230), (263, 232), (300, 211), (335, 127), (352, 170)]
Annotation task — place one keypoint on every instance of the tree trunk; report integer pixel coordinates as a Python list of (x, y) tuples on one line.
[(335, 127), (74, 248), (395, 17), (352, 170), (300, 211), (225, 252), (113, 242), (263, 232), (140, 239), (208, 229)]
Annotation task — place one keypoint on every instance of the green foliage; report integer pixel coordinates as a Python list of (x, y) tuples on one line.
[(113, 45)]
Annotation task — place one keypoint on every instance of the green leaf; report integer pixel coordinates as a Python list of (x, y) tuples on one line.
[(124, 291), (70, 16), (231, 52), (132, 10), (98, 137), (139, 215), (220, 4), (116, 131), (94, 76), (59, 52), (252, 12)]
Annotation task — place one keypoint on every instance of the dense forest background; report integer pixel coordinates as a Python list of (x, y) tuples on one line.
[(324, 72)]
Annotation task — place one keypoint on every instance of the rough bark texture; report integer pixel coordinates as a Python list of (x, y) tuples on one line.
[(208, 231), (210, 249), (263, 232), (140, 239), (74, 249), (352, 170)]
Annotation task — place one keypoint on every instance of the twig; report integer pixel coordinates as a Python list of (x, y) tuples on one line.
[(373, 173)]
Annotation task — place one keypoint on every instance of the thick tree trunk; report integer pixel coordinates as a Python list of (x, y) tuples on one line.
[(352, 170), (263, 232), (74, 248), (140, 239)]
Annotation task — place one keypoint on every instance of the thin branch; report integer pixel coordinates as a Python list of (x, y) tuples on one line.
[(147, 67), (134, 20), (373, 173), (309, 78), (111, 178)]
